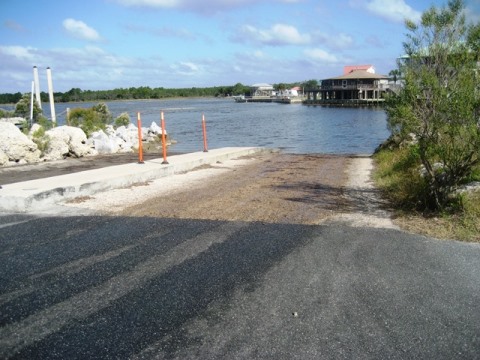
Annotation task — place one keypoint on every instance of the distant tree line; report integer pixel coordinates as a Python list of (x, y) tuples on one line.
[(11, 98), (143, 92)]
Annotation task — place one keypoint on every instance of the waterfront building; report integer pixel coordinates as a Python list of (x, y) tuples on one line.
[(262, 90), (358, 85)]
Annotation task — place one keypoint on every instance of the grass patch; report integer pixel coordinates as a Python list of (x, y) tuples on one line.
[(396, 174), (42, 140)]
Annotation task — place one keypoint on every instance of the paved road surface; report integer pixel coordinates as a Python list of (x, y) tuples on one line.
[(156, 288)]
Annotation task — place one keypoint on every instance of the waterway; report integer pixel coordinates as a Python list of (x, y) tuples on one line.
[(295, 128)]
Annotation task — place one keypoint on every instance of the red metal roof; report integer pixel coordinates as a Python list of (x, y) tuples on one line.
[(359, 74), (349, 68)]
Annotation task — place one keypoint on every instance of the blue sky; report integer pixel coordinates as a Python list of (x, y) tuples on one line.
[(107, 44)]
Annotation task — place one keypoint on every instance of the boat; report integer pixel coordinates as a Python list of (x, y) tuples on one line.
[(239, 98)]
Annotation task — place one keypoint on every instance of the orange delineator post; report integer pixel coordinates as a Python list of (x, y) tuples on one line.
[(204, 127), (164, 142), (140, 146)]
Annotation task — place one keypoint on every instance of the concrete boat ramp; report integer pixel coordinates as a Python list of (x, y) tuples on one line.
[(31, 195)]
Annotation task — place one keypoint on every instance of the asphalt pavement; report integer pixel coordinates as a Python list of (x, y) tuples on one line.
[(148, 288)]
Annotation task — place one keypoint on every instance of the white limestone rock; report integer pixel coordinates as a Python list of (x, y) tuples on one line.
[(124, 146), (35, 127), (74, 142), (16, 145), (110, 130), (155, 132), (124, 139), (13, 120), (57, 149), (469, 188), (103, 143), (129, 133), (155, 129), (3, 158)]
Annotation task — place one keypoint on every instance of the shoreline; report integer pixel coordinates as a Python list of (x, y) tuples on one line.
[(126, 100)]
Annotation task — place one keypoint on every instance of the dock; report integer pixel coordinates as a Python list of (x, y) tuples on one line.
[(345, 102), (269, 99)]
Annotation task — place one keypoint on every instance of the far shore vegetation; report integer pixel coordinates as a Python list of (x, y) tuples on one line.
[(145, 93)]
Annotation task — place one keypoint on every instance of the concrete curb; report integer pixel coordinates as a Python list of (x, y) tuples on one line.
[(37, 194)]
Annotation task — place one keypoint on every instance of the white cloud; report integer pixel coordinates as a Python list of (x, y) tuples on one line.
[(259, 54), (336, 41), (393, 10), (18, 52), (175, 32), (341, 41), (374, 41), (278, 34), (86, 68), (80, 30), (186, 68), (321, 55), (204, 6), (289, 34), (152, 3), (189, 65)]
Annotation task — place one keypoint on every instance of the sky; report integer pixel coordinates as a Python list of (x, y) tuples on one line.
[(107, 44)]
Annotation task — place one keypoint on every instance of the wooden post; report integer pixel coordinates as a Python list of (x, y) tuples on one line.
[(204, 127), (164, 142), (140, 145)]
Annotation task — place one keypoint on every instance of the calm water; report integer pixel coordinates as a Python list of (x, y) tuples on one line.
[(294, 128)]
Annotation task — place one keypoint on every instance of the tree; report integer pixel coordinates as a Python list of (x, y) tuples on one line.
[(10, 98), (90, 120), (311, 84), (73, 94), (240, 89), (22, 108), (395, 74), (440, 102)]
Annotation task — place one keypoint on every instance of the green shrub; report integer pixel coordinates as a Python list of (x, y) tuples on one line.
[(440, 102), (6, 114), (470, 220), (103, 113), (122, 120), (397, 174), (90, 120), (22, 108), (45, 123), (41, 139), (39, 133)]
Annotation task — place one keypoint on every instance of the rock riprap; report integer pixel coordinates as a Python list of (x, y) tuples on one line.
[(67, 141)]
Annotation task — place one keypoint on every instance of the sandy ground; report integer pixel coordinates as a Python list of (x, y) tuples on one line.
[(272, 188)]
